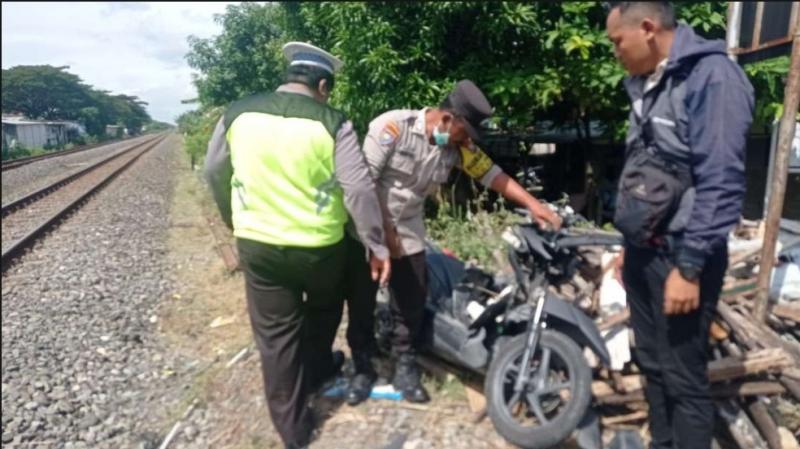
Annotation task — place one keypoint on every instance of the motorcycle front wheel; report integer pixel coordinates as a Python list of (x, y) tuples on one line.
[(555, 398)]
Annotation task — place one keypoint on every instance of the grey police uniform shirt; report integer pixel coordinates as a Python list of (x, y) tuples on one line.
[(351, 173), (406, 168)]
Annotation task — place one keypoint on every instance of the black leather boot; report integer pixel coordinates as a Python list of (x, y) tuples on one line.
[(407, 379), (360, 385)]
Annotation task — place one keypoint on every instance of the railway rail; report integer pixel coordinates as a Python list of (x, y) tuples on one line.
[(16, 163), (30, 217)]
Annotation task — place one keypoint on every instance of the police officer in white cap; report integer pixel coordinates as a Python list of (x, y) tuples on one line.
[(286, 169)]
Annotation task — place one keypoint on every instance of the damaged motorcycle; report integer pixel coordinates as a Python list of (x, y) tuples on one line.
[(514, 330)]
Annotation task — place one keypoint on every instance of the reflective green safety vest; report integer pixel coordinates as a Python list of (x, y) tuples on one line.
[(284, 190)]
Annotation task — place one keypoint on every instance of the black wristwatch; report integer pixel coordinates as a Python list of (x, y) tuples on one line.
[(689, 272)]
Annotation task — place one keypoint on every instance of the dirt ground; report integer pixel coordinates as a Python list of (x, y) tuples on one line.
[(222, 404), (229, 407)]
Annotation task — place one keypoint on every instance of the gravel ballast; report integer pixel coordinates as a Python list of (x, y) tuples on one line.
[(81, 366)]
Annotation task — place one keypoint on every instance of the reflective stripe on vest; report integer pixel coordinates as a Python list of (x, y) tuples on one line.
[(284, 190)]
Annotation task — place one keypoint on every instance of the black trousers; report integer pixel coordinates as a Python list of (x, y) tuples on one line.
[(294, 297), (408, 287), (672, 351), (360, 291)]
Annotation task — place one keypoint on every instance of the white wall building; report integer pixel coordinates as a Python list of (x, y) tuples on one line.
[(18, 131)]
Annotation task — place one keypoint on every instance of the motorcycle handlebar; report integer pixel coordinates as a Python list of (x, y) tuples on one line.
[(568, 220)]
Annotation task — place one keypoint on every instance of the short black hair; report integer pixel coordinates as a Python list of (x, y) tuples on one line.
[(664, 12), (308, 75)]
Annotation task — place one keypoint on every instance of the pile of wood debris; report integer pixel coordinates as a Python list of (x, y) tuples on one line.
[(755, 371)]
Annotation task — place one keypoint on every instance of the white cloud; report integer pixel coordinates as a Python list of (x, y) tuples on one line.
[(135, 48)]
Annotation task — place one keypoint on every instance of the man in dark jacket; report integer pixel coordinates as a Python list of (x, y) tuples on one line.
[(691, 110)]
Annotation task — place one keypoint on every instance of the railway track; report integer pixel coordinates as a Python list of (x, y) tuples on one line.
[(30, 217), (16, 163)]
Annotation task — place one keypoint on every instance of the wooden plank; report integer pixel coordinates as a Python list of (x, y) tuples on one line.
[(732, 349), (601, 389), (765, 360), (228, 256), (620, 399), (624, 419), (792, 385), (764, 46), (629, 383), (728, 368), (764, 423), (605, 394), (738, 325), (787, 312), (755, 335), (739, 425), (747, 389), (792, 372)]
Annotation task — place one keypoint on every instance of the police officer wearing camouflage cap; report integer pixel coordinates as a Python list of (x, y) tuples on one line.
[(410, 152), (286, 169)]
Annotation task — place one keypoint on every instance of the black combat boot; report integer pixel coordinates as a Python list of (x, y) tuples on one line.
[(360, 385), (407, 379)]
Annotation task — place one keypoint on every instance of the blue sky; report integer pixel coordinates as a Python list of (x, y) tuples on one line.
[(135, 48)]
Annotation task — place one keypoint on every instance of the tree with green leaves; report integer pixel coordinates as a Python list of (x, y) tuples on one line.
[(44, 92), (539, 63), (244, 59), (52, 93), (536, 61), (196, 127)]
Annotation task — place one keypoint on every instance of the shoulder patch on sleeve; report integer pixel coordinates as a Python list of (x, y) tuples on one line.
[(475, 162), (389, 133)]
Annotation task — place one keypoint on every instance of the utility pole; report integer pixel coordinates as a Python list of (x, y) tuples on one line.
[(780, 173)]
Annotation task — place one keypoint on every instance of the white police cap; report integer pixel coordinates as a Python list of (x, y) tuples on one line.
[(300, 53)]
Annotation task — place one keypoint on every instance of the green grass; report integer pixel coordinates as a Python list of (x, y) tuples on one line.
[(472, 236)]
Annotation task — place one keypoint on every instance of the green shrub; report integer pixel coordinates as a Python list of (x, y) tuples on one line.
[(472, 236)]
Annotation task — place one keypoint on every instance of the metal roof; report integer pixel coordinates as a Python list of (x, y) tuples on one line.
[(17, 120)]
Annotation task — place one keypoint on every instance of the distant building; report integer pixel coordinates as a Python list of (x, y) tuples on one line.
[(116, 131), (20, 131)]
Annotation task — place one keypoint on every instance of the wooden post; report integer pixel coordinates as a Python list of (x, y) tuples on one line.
[(778, 188), (764, 423)]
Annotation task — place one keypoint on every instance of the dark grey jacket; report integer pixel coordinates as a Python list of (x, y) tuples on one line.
[(699, 115)]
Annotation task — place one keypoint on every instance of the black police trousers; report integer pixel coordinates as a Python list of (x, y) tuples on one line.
[(360, 291), (294, 298), (672, 351), (408, 287)]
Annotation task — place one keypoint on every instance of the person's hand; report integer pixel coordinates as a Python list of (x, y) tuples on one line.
[(545, 217), (680, 296), (619, 263), (393, 242), (380, 269)]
